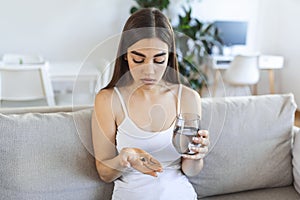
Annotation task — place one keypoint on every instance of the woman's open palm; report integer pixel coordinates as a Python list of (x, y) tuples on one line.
[(141, 161)]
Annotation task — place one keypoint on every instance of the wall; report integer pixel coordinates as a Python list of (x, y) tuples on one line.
[(59, 30), (69, 30), (278, 34)]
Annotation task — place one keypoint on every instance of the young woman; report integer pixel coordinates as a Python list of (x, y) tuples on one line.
[(134, 116)]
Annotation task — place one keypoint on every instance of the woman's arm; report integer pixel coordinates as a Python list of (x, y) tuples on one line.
[(109, 165), (193, 164)]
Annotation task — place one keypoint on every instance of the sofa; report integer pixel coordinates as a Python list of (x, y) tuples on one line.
[(46, 153)]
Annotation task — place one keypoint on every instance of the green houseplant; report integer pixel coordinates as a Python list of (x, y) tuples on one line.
[(194, 41), (160, 4)]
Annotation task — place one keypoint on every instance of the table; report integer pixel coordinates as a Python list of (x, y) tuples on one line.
[(69, 76), (66, 74), (271, 63), (71, 71), (265, 62)]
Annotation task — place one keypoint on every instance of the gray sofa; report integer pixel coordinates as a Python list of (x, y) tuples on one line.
[(46, 153)]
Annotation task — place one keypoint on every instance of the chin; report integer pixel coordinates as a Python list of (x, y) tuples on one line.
[(148, 86)]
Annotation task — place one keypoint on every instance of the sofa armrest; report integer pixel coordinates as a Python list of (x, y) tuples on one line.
[(296, 129), (296, 158)]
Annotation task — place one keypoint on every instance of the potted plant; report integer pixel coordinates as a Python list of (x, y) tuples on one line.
[(160, 4), (194, 41)]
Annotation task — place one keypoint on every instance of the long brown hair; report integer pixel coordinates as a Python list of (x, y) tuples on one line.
[(145, 23)]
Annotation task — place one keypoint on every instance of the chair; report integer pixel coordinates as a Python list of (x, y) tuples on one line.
[(243, 72), (25, 83)]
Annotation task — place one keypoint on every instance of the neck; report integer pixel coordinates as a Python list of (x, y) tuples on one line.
[(148, 90)]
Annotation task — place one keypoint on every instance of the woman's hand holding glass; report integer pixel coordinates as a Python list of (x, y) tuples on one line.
[(140, 160), (201, 141), (188, 139)]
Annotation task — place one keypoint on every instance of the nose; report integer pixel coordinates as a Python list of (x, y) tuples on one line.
[(149, 68)]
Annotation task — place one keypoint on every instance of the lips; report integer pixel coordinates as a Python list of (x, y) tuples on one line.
[(148, 81)]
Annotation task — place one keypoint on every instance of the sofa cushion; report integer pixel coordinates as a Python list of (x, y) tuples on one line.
[(42, 157), (281, 193), (296, 159), (250, 144)]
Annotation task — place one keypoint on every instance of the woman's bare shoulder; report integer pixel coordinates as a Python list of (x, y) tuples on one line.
[(108, 100), (105, 92), (104, 95), (188, 92), (104, 98), (190, 100)]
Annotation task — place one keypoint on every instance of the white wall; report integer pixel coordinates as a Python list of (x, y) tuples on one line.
[(59, 30), (279, 34), (68, 30), (288, 45)]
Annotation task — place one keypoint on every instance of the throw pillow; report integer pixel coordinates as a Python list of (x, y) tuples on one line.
[(250, 144)]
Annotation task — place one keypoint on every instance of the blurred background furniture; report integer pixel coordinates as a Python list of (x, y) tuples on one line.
[(242, 72), (265, 62), (22, 59), (25, 85), (270, 63), (73, 82)]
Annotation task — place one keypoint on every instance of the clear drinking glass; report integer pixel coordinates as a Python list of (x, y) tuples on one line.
[(186, 127)]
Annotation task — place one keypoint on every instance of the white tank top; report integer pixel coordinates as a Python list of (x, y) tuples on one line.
[(171, 183)]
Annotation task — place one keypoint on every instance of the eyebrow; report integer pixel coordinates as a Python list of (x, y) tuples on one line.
[(142, 55), (160, 54)]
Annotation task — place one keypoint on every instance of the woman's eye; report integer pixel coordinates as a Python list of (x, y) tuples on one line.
[(159, 61), (138, 61)]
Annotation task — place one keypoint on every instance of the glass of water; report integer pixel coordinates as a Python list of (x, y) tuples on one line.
[(186, 127)]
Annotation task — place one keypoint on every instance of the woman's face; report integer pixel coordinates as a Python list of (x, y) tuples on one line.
[(147, 61)]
